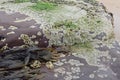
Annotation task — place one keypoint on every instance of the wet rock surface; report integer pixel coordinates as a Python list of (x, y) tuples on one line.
[(100, 63), (74, 68), (67, 68), (11, 29)]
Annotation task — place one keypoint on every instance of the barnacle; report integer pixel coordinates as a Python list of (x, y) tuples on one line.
[(13, 27), (4, 48), (36, 64), (49, 65), (26, 39)]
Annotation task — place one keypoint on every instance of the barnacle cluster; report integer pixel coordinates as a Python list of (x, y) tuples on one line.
[(71, 32), (36, 64), (75, 28), (26, 39)]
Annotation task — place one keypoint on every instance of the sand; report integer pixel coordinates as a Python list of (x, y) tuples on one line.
[(114, 7)]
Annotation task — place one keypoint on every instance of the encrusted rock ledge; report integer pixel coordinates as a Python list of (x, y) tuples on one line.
[(84, 27), (71, 25)]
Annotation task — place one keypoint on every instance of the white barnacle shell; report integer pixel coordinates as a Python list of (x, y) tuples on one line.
[(36, 64), (33, 36), (2, 28), (12, 27), (91, 76), (12, 32), (39, 33), (36, 42), (3, 40), (32, 26), (49, 65), (26, 39), (4, 47)]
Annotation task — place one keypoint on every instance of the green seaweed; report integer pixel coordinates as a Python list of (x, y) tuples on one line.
[(91, 23), (84, 45), (44, 6), (67, 23), (21, 1)]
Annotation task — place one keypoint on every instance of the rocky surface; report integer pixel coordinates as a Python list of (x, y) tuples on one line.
[(94, 56)]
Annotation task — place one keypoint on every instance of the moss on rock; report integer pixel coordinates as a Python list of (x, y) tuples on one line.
[(44, 6)]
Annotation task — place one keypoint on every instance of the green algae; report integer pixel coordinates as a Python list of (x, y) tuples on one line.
[(69, 24), (84, 45), (80, 28), (76, 32), (91, 23), (21, 1), (44, 6)]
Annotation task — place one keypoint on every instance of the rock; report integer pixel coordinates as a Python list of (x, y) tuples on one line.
[(83, 27), (79, 19)]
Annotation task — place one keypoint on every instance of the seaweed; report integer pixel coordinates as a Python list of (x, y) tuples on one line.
[(13, 62), (47, 6)]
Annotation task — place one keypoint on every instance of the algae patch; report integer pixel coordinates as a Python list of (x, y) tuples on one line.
[(44, 6), (74, 32), (21, 1), (91, 23), (84, 45), (67, 24)]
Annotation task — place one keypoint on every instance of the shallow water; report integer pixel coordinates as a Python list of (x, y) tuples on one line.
[(114, 7)]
